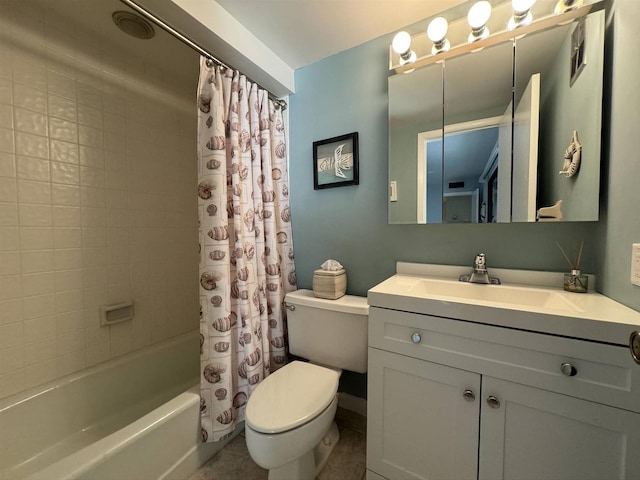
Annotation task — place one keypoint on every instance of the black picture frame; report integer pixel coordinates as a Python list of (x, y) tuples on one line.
[(335, 162)]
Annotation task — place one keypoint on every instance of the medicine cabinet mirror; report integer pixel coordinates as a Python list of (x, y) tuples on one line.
[(481, 137)]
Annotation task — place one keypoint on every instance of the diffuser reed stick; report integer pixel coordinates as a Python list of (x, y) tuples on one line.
[(575, 265)]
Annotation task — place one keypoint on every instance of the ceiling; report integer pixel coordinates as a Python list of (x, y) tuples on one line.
[(302, 32)]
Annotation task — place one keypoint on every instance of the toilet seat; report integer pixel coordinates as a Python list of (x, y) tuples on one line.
[(291, 397)]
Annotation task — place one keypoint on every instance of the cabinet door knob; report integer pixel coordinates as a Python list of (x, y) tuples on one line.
[(493, 402), (416, 338), (568, 369), (469, 396)]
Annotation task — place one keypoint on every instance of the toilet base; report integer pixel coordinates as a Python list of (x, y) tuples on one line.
[(311, 463)]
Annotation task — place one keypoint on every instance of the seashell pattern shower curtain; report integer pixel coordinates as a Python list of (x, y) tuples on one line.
[(246, 249)]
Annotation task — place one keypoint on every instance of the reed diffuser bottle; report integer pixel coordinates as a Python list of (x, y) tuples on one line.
[(575, 281)]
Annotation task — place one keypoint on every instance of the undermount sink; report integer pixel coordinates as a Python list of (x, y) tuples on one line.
[(504, 294)]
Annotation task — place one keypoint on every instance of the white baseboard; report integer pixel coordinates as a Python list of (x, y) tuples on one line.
[(353, 403)]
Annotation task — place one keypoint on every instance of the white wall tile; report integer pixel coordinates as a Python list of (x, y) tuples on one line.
[(116, 179), (35, 215), (94, 217), (113, 143), (70, 342), (64, 108), (67, 238), (98, 353), (40, 373), (8, 190), (32, 168), (62, 129), (91, 157), (69, 322), (69, 259), (114, 160), (38, 329), (7, 144), (37, 261), (65, 195), (11, 334), (92, 137), (34, 192), (10, 263), (94, 237), (117, 218), (10, 287), (65, 173), (7, 165), (29, 98), (67, 280), (95, 277), (32, 145), (92, 177), (89, 95), (62, 151), (30, 74), (90, 116), (30, 121), (38, 283), (11, 359), (60, 84), (94, 256), (12, 382), (8, 214), (69, 301), (9, 238), (6, 116), (38, 306), (64, 216), (71, 362), (39, 351), (93, 197), (10, 311), (6, 90), (36, 238)]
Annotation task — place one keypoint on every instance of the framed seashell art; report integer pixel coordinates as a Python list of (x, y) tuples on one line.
[(335, 162)]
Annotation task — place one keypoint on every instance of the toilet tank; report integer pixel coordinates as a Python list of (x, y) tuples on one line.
[(328, 332)]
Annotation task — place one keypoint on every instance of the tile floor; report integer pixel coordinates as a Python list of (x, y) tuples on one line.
[(347, 462)]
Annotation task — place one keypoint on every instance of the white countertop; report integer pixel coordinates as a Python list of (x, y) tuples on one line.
[(589, 316)]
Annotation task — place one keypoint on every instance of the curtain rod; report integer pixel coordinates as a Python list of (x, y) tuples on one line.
[(279, 103)]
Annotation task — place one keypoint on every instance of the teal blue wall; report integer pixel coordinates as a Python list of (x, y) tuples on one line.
[(619, 224)]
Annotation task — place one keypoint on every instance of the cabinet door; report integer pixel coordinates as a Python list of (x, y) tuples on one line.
[(529, 433), (420, 426)]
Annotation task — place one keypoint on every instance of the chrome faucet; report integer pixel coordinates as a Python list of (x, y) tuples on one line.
[(479, 274)]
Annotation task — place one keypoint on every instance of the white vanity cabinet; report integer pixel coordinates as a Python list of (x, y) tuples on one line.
[(454, 399)]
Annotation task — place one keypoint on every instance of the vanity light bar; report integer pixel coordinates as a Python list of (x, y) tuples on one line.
[(500, 37)]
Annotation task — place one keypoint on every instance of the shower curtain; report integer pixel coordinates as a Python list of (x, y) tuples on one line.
[(246, 249)]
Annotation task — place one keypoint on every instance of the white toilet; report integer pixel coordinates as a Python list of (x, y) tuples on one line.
[(289, 425)]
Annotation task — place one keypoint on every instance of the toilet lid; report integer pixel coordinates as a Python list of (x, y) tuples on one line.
[(290, 397)]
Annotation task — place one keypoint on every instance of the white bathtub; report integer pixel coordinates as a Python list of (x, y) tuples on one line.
[(136, 417)]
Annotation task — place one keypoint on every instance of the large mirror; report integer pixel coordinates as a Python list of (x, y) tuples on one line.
[(491, 150)]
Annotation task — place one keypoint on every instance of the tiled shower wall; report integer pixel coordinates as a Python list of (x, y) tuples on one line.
[(97, 204)]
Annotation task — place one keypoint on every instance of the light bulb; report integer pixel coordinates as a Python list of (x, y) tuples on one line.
[(411, 57), (522, 6), (479, 14), (521, 13), (437, 29), (566, 5), (401, 43)]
